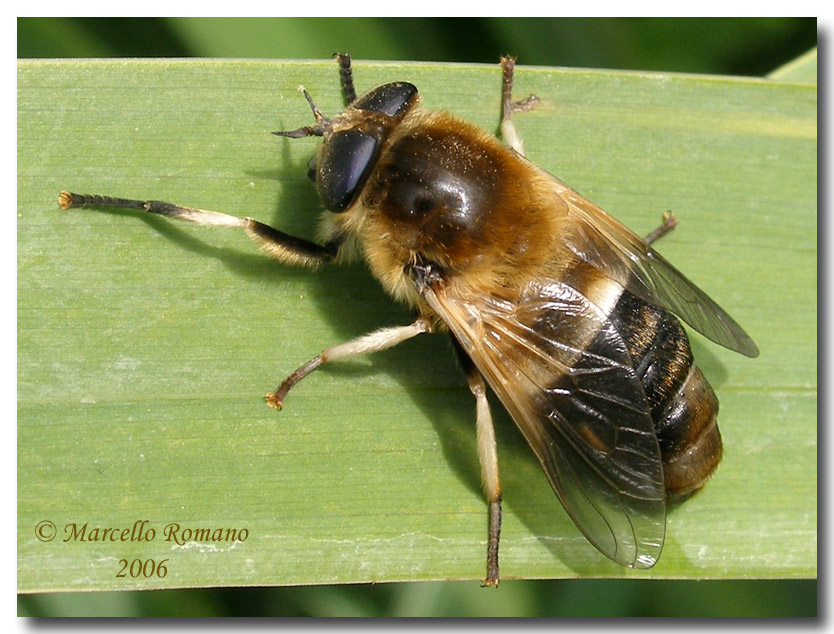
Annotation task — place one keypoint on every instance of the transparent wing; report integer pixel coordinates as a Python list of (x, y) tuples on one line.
[(620, 254), (564, 374)]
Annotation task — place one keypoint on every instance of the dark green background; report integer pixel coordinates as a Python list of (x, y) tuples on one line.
[(715, 46), (728, 46)]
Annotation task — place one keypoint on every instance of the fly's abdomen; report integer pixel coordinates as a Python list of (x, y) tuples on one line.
[(684, 407)]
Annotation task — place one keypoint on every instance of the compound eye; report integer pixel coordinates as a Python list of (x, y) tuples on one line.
[(392, 99), (344, 165)]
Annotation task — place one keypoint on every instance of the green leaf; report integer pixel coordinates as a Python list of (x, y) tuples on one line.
[(145, 346), (802, 70)]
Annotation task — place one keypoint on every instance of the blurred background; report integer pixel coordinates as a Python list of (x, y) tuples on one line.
[(722, 46), (726, 46)]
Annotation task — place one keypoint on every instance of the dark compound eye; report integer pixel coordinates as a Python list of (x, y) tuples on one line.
[(346, 162), (392, 99)]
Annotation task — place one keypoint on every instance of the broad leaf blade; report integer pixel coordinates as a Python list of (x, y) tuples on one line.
[(145, 347), (802, 70)]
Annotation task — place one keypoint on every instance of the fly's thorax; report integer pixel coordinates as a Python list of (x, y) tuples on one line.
[(429, 187), (446, 192)]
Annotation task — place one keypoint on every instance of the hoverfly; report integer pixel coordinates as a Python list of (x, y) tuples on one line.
[(565, 312)]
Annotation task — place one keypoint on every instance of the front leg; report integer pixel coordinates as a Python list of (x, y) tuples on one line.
[(346, 74), (277, 244)]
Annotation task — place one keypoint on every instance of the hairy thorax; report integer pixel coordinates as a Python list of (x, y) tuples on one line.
[(448, 194)]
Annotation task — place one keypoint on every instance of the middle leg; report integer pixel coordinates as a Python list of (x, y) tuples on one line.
[(508, 106), (372, 342)]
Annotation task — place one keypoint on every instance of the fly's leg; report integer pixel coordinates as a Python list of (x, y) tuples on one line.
[(372, 342), (512, 139), (277, 244), (283, 247), (669, 223), (488, 457), (347, 77), (508, 106)]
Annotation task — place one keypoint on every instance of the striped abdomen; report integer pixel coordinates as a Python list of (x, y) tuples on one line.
[(684, 407), (682, 404)]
